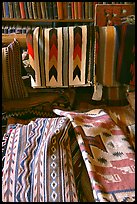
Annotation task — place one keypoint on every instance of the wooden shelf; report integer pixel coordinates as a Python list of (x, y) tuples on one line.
[(38, 22), (45, 20), (7, 38)]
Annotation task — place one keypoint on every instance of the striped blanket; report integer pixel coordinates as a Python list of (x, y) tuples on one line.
[(115, 50), (12, 83), (116, 55), (38, 162)]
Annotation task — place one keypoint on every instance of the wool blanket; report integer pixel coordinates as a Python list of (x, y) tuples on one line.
[(107, 154), (61, 56), (115, 55), (115, 50), (12, 83), (38, 162)]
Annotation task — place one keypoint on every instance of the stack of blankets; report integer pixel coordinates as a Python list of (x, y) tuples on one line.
[(73, 157)]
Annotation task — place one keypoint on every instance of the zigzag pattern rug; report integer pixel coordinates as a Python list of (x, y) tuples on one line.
[(108, 156), (38, 162), (61, 56)]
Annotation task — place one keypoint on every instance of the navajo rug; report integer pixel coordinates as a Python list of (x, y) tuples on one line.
[(110, 69), (38, 162), (107, 56), (108, 156), (116, 55), (61, 56)]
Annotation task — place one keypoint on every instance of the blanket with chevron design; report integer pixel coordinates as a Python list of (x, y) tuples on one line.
[(61, 56)]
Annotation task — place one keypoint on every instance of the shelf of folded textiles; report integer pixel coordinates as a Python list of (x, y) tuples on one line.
[(8, 38), (44, 21)]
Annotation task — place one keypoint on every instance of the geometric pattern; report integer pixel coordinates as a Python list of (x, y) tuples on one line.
[(108, 167), (38, 163), (62, 56), (77, 54)]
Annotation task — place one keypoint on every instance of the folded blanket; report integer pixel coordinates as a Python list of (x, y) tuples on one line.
[(38, 162), (12, 83), (108, 156)]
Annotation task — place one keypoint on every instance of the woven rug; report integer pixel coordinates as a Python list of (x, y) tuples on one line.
[(38, 162), (108, 156), (61, 56), (12, 83), (115, 55)]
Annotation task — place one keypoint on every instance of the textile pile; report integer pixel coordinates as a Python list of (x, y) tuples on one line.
[(50, 159)]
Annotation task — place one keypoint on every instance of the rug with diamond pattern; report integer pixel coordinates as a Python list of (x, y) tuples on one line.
[(107, 153)]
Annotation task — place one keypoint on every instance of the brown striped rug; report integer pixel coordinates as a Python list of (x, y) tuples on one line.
[(12, 83)]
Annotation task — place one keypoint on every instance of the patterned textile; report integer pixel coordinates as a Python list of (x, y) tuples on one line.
[(12, 83), (109, 41), (78, 164), (107, 56), (61, 56), (108, 15), (38, 163), (5, 139), (116, 55), (86, 161), (108, 156), (124, 117)]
